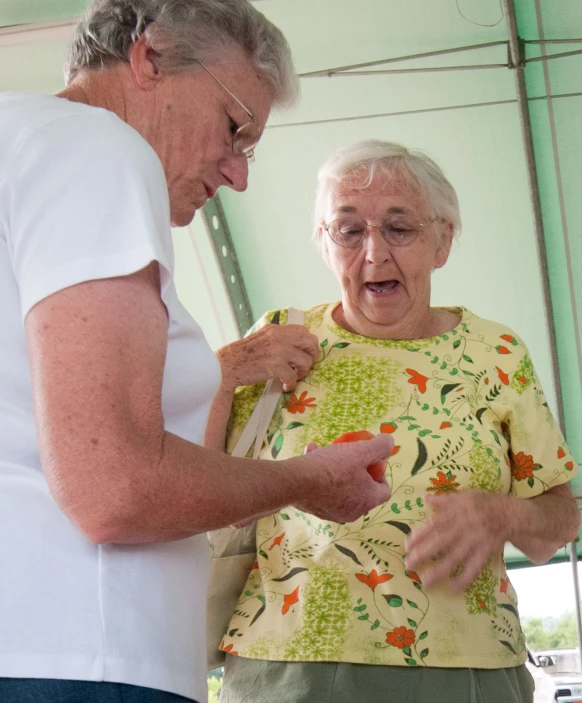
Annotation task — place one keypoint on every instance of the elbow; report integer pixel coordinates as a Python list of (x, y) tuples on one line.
[(103, 524), (107, 514)]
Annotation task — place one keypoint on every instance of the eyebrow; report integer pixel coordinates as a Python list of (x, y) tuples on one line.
[(396, 210)]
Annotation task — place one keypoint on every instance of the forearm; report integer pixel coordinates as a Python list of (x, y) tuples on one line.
[(540, 526), (191, 489)]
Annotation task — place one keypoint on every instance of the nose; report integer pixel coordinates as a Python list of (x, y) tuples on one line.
[(235, 172), (376, 248)]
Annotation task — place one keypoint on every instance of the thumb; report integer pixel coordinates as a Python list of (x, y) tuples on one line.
[(311, 447), (375, 449)]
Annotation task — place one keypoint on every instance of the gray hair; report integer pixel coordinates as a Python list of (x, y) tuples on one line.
[(362, 160), (183, 32)]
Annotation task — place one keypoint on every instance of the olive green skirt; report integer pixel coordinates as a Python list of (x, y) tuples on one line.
[(258, 681)]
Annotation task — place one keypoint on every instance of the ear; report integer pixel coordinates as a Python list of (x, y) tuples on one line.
[(143, 63), (444, 249)]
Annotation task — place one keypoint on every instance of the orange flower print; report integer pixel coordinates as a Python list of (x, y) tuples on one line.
[(509, 338), (502, 350), (298, 405), (561, 453), (503, 377), (522, 466), (373, 578), (414, 576), (569, 465), (388, 427), (395, 450), (443, 483), (255, 565), (289, 600), (522, 379), (481, 603), (277, 540), (417, 379), (503, 585), (445, 425), (400, 637), (228, 649)]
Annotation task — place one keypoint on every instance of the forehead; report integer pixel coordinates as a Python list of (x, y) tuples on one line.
[(241, 77), (381, 194)]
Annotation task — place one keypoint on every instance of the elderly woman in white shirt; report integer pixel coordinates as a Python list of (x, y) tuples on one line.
[(106, 382)]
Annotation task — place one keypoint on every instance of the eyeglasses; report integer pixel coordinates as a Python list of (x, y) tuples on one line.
[(241, 145), (397, 230)]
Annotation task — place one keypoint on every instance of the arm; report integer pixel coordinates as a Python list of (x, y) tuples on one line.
[(468, 527), (97, 353), (274, 351), (541, 525)]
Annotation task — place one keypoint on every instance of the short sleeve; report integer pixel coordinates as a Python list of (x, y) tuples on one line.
[(538, 456), (246, 397), (87, 199)]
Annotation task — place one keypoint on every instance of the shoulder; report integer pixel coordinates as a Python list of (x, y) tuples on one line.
[(56, 130), (313, 316), (498, 335)]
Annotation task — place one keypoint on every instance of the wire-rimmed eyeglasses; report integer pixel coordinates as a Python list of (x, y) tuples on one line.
[(240, 142), (397, 230)]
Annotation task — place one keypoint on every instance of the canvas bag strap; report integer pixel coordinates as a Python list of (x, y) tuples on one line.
[(258, 424)]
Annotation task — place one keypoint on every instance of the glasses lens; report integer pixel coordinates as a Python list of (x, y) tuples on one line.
[(400, 230), (242, 142), (347, 233)]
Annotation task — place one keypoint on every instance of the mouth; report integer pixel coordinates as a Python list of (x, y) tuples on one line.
[(382, 287)]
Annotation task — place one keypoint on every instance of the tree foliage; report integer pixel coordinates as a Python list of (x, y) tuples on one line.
[(551, 633)]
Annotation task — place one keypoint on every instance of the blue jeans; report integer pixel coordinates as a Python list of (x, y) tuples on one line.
[(60, 691)]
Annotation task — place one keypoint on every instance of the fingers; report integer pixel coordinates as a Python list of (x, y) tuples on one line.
[(375, 449)]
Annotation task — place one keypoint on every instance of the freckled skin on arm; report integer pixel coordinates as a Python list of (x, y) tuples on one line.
[(97, 353)]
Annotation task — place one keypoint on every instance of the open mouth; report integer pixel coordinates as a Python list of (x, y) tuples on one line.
[(378, 287)]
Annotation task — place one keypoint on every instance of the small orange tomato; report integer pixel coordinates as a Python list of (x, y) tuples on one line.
[(378, 468)]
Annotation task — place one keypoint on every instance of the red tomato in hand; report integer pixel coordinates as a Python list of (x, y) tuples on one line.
[(378, 468)]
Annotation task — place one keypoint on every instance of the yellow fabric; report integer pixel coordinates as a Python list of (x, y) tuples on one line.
[(466, 411)]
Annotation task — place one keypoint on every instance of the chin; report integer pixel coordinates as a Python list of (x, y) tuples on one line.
[(182, 218)]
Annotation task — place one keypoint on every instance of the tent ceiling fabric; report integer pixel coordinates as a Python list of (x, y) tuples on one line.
[(467, 120)]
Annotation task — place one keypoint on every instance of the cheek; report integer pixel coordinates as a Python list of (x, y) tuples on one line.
[(346, 265)]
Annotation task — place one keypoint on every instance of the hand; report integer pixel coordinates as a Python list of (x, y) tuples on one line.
[(465, 529), (344, 489), (275, 351)]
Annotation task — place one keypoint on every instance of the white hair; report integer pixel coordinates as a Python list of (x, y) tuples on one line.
[(182, 32), (361, 161)]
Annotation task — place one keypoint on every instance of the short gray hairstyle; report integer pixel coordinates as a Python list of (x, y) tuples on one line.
[(362, 160), (183, 32)]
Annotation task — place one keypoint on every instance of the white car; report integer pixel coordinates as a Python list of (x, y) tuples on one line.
[(545, 690)]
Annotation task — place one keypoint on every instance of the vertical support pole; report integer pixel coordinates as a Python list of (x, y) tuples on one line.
[(573, 553), (517, 64), (219, 234)]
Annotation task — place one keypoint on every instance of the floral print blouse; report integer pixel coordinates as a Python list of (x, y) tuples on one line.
[(466, 412)]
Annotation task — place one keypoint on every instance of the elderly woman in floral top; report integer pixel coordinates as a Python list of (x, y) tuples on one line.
[(412, 602)]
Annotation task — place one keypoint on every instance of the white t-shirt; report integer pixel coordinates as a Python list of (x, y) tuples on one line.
[(84, 197)]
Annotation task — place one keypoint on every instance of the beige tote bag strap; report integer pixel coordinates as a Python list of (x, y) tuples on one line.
[(258, 424)]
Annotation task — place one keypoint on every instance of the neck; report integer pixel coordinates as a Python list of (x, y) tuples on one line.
[(422, 324), (111, 89)]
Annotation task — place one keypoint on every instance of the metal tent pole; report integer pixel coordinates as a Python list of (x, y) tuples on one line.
[(573, 553), (517, 64)]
